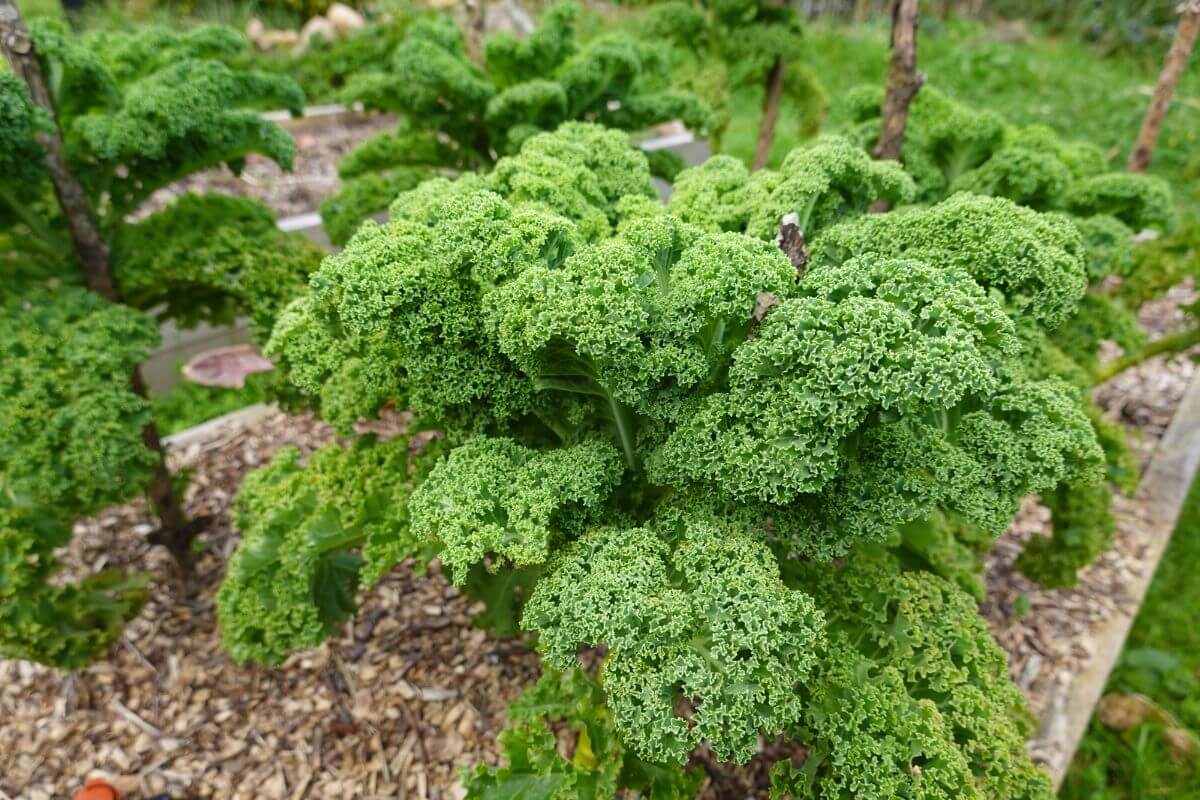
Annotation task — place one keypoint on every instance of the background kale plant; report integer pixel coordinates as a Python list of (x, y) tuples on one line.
[(745, 47), (457, 115), (136, 111)]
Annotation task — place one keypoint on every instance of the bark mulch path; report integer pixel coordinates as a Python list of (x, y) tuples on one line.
[(410, 693)]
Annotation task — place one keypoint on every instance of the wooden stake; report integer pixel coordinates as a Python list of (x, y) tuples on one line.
[(903, 83), (1164, 90), (770, 115), (476, 29), (94, 260), (790, 240)]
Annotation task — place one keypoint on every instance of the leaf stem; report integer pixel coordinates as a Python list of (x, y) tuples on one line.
[(1174, 343)]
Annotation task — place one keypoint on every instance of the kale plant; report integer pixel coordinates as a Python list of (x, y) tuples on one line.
[(719, 470), (136, 111), (456, 115)]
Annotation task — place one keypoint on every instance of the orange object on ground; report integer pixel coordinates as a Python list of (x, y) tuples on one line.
[(97, 789)]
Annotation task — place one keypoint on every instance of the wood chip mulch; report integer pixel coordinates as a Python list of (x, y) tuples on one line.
[(410, 693), (394, 707)]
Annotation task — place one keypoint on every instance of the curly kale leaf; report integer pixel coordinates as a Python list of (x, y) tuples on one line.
[(622, 82), (1083, 528), (1082, 159), (1031, 436), (598, 767), (359, 198), (64, 626), (719, 195), (943, 141), (1034, 260), (1123, 467), (1032, 178), (83, 83), (702, 619), (897, 479), (400, 315), (868, 737), (22, 161), (130, 55), (512, 61), (400, 148), (1042, 358), (1108, 246), (1033, 168), (639, 319), (70, 424), (397, 315), (580, 171), (873, 337), (311, 535), (493, 497), (905, 481), (1139, 201), (36, 248), (434, 83), (821, 184), (1099, 317), (183, 118), (824, 183), (922, 661)]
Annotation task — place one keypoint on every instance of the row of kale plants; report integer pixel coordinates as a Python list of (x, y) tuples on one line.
[(744, 449)]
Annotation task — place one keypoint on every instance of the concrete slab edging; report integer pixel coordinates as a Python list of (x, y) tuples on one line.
[(206, 431)]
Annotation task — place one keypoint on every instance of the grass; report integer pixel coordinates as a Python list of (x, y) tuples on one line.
[(1162, 661), (125, 14), (32, 9)]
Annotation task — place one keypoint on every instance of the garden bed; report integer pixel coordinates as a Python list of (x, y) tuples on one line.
[(411, 692)]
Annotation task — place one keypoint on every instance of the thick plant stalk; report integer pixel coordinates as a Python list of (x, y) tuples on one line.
[(903, 83), (476, 28), (1164, 90), (770, 115), (90, 247), (790, 240), (176, 533)]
